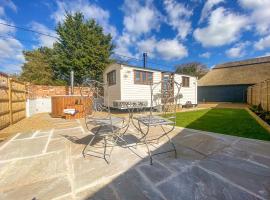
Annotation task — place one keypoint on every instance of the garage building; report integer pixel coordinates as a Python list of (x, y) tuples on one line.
[(228, 82)]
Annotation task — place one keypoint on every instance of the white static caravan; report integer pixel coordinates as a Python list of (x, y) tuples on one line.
[(130, 83)]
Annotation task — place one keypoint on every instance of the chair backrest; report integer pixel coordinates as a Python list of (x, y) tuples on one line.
[(165, 97), (99, 97)]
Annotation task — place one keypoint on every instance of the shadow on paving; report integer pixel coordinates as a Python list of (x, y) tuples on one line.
[(131, 139), (203, 170)]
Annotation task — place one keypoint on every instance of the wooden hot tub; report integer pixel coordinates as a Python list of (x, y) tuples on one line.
[(77, 102)]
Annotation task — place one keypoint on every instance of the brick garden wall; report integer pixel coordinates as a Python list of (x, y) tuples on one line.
[(39, 97), (45, 91)]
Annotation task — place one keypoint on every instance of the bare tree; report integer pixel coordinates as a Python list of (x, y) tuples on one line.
[(192, 68)]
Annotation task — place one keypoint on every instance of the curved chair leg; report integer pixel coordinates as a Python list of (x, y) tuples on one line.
[(149, 152), (169, 139), (89, 144), (144, 134), (105, 148), (109, 155), (174, 148)]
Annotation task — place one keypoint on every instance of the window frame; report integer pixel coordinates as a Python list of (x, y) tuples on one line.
[(184, 78), (113, 74), (141, 81)]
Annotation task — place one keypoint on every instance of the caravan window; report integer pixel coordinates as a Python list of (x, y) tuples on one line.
[(185, 81), (143, 77), (137, 76), (150, 77), (111, 78)]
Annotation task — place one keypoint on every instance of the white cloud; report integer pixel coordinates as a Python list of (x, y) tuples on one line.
[(11, 54), (89, 10), (7, 47), (263, 43), (207, 8), (205, 55), (148, 45), (2, 11), (122, 44), (178, 17), (171, 49), (166, 48), (140, 19), (266, 54), (6, 29), (238, 50), (260, 14), (3, 19), (8, 4), (42, 39), (11, 57), (224, 27), (139, 22)]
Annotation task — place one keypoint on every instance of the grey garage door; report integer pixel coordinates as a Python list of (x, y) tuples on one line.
[(228, 93)]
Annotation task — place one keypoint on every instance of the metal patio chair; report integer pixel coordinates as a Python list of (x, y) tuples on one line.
[(165, 96), (100, 121)]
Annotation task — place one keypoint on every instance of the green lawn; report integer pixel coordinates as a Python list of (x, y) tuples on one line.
[(236, 122)]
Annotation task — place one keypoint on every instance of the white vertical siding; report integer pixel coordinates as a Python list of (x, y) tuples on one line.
[(188, 93), (132, 91), (126, 89), (114, 90)]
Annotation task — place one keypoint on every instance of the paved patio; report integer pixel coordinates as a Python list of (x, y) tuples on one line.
[(49, 165)]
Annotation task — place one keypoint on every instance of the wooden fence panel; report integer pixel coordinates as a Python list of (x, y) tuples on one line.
[(259, 94), (4, 101), (18, 100), (12, 101), (264, 95)]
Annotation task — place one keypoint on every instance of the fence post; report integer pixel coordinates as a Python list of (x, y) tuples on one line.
[(10, 100)]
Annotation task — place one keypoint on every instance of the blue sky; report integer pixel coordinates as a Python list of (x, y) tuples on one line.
[(171, 31)]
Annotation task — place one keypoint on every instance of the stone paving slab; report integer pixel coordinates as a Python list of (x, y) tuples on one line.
[(178, 165), (23, 148), (74, 131), (97, 192), (195, 183), (66, 125), (42, 133), (89, 169), (29, 170), (25, 135), (133, 186), (56, 145), (253, 178), (155, 173), (254, 146), (49, 165), (45, 189), (244, 155), (203, 143)]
